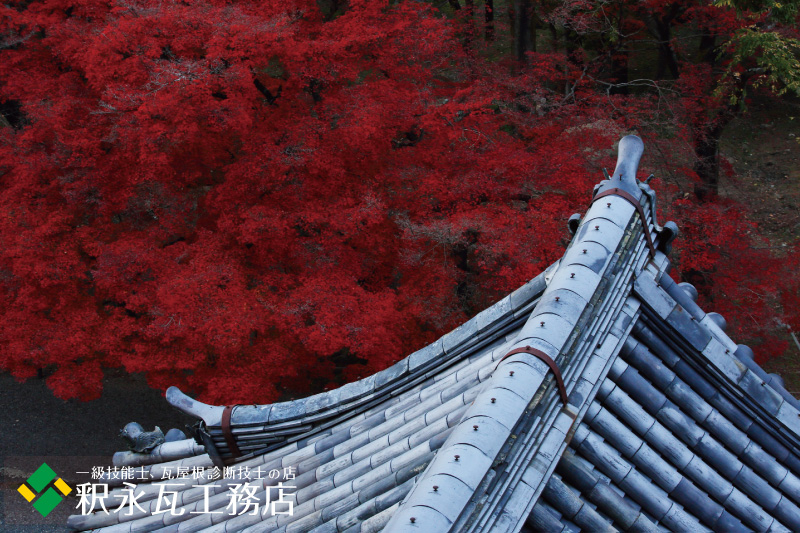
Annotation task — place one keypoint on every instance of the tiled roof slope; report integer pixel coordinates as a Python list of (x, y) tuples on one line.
[(669, 425)]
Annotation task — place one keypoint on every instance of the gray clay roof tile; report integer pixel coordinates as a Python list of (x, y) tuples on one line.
[(670, 425)]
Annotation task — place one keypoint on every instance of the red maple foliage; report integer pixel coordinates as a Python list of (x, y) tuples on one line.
[(254, 200)]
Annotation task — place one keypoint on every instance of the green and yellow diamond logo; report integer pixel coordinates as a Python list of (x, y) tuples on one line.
[(40, 480)]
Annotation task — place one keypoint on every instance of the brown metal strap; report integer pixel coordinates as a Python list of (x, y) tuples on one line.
[(562, 391), (227, 433), (638, 206)]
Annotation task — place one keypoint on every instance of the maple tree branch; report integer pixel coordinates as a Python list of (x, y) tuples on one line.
[(271, 98), (794, 337)]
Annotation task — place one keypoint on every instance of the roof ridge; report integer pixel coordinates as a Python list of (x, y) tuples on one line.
[(607, 242)]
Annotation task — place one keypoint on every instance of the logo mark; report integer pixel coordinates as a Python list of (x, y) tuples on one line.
[(40, 480)]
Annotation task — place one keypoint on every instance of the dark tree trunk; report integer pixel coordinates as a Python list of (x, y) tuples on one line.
[(666, 56), (469, 23), (455, 5), (489, 18), (706, 145), (707, 49), (553, 37), (512, 23), (572, 43), (707, 168), (619, 56), (661, 29), (522, 24), (619, 72), (706, 149), (666, 60)]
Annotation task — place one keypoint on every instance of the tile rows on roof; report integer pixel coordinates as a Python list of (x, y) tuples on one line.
[(261, 428), (679, 319), (548, 328), (659, 433), (572, 285), (333, 469)]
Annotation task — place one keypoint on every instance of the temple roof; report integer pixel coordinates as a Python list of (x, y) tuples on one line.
[(662, 423)]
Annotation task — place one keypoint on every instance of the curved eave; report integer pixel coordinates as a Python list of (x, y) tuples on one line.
[(269, 426)]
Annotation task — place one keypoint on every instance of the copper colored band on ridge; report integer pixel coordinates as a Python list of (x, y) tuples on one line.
[(562, 391)]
